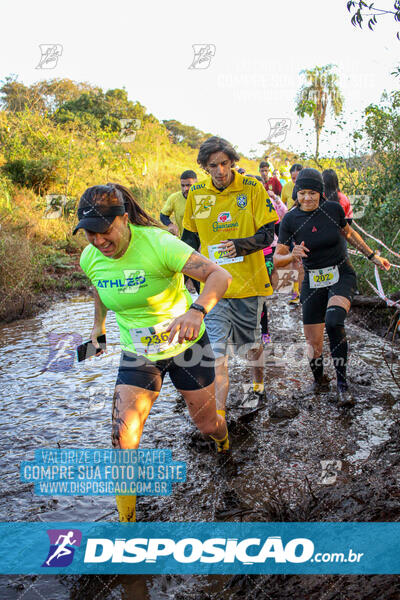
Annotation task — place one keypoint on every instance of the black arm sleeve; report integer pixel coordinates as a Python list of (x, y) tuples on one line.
[(285, 230), (165, 220), (191, 238), (261, 239)]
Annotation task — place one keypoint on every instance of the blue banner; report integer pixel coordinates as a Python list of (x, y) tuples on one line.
[(200, 548)]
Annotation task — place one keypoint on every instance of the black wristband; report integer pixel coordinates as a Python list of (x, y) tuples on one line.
[(198, 307), (371, 256)]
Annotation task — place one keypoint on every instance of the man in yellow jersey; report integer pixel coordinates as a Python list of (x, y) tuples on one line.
[(287, 189), (232, 218), (267, 159), (287, 199), (176, 203), (285, 170)]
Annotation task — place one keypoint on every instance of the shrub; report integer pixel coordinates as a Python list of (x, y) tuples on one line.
[(39, 174)]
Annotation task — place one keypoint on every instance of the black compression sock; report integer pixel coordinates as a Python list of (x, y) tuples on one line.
[(264, 320), (334, 323), (317, 367)]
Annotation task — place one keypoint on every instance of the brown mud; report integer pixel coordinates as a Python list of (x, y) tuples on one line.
[(275, 474)]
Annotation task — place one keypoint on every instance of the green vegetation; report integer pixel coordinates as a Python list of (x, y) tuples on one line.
[(320, 90), (367, 11), (58, 137), (376, 174), (186, 133)]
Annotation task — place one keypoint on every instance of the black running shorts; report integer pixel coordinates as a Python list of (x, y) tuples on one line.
[(315, 301), (192, 369)]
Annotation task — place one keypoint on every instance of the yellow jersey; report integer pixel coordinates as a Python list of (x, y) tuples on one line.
[(238, 211), (285, 173), (286, 196), (175, 204)]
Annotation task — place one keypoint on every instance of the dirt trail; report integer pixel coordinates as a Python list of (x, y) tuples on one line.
[(276, 473)]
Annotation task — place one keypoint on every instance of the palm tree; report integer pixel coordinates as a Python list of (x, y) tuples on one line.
[(314, 95)]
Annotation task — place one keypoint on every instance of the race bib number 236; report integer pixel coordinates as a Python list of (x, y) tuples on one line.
[(152, 340)]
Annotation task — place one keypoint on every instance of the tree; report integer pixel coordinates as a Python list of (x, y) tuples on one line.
[(365, 9), (102, 109), (16, 96), (382, 127), (320, 89), (43, 96), (187, 134)]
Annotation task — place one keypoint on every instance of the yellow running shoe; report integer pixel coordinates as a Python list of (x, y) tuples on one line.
[(126, 508), (222, 445)]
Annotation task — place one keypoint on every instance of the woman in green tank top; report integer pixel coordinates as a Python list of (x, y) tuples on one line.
[(136, 268)]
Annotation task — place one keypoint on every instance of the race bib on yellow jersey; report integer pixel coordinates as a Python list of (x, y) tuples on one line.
[(320, 278), (221, 257), (152, 340)]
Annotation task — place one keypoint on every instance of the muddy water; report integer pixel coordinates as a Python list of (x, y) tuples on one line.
[(276, 473)]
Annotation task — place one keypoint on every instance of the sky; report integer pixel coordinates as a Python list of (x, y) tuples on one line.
[(253, 77)]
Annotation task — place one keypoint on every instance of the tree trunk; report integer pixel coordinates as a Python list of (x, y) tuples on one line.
[(317, 133)]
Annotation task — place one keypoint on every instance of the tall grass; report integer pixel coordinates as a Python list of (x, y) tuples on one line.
[(41, 255)]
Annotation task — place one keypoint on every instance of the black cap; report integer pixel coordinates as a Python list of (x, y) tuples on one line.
[(97, 217), (308, 179)]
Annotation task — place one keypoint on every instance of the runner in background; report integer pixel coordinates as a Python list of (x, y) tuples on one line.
[(136, 269), (271, 184), (315, 228), (333, 193), (175, 205), (274, 181), (232, 218), (287, 199), (281, 210), (270, 165), (287, 189), (282, 178), (285, 170)]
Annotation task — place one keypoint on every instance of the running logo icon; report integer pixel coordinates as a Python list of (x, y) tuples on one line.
[(278, 129), (50, 55), (63, 543), (204, 203), (62, 351), (203, 54), (359, 203)]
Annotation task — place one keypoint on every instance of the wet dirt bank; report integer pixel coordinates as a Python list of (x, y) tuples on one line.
[(374, 315), (56, 283), (301, 459)]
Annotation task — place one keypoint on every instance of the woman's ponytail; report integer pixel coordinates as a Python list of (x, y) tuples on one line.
[(137, 215)]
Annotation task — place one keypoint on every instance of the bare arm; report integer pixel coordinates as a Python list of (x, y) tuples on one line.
[(216, 281), (356, 240), (100, 313), (283, 257)]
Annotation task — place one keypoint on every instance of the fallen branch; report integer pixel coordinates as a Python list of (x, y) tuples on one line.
[(373, 302)]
